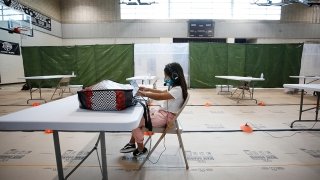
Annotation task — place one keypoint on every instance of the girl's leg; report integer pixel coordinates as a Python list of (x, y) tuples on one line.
[(158, 118), (161, 118), (132, 140), (140, 146), (138, 135), (134, 136)]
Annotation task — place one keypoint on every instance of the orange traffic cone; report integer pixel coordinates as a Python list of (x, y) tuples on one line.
[(261, 103), (246, 128), (35, 104), (207, 104), (48, 131)]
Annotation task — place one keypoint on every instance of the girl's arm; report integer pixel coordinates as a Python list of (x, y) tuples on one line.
[(151, 90), (162, 95)]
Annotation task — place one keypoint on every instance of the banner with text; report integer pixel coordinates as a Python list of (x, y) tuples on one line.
[(9, 48)]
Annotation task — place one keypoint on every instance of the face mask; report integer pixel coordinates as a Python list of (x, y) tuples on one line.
[(168, 82)]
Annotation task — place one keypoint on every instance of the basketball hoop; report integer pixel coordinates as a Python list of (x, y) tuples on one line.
[(17, 22), (17, 30)]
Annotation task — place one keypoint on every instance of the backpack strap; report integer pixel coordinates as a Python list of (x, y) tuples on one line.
[(146, 115)]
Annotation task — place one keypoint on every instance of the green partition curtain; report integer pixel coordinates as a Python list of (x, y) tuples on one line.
[(206, 61), (276, 61), (91, 63)]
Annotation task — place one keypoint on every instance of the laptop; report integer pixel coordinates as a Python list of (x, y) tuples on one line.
[(135, 86)]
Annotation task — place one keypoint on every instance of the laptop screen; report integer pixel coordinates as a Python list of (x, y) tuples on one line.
[(135, 86)]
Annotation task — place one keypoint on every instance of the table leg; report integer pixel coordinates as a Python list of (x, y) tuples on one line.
[(103, 156), (58, 154), (317, 107), (244, 86), (301, 110), (243, 91), (301, 104), (30, 90), (252, 90), (40, 89)]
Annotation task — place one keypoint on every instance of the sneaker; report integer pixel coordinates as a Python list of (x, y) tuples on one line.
[(128, 148), (138, 153)]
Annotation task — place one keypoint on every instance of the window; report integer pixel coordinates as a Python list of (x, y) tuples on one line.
[(199, 9)]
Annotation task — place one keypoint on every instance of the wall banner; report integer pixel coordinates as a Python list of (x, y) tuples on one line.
[(9, 48), (38, 19)]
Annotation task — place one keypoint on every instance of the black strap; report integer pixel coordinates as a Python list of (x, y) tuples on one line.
[(146, 115)]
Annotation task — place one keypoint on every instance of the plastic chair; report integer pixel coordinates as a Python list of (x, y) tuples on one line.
[(173, 128)]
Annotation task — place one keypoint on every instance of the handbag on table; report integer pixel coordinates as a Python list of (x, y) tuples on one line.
[(106, 96)]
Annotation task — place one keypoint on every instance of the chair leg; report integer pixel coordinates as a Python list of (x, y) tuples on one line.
[(147, 140), (63, 89), (180, 142), (153, 148), (183, 151), (54, 92)]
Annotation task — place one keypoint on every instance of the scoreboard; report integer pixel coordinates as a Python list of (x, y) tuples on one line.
[(201, 28)]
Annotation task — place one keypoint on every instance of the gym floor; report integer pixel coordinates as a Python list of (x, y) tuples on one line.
[(216, 147)]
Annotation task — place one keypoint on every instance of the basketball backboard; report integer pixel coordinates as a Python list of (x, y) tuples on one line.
[(15, 21)]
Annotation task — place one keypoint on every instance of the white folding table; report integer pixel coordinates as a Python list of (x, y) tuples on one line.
[(312, 78), (39, 79), (245, 82), (303, 87), (65, 115)]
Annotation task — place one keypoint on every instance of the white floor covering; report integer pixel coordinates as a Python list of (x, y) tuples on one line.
[(215, 146)]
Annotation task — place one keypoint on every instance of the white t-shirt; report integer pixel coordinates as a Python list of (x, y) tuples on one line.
[(174, 105)]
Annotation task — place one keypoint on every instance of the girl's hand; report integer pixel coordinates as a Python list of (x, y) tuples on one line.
[(140, 93), (143, 88)]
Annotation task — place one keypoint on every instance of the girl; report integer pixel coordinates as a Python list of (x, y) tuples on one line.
[(174, 98)]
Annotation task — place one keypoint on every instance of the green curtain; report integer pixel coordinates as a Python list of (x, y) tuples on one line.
[(86, 66), (292, 62), (91, 63), (236, 59), (206, 61), (276, 61), (31, 62), (114, 62), (236, 62)]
